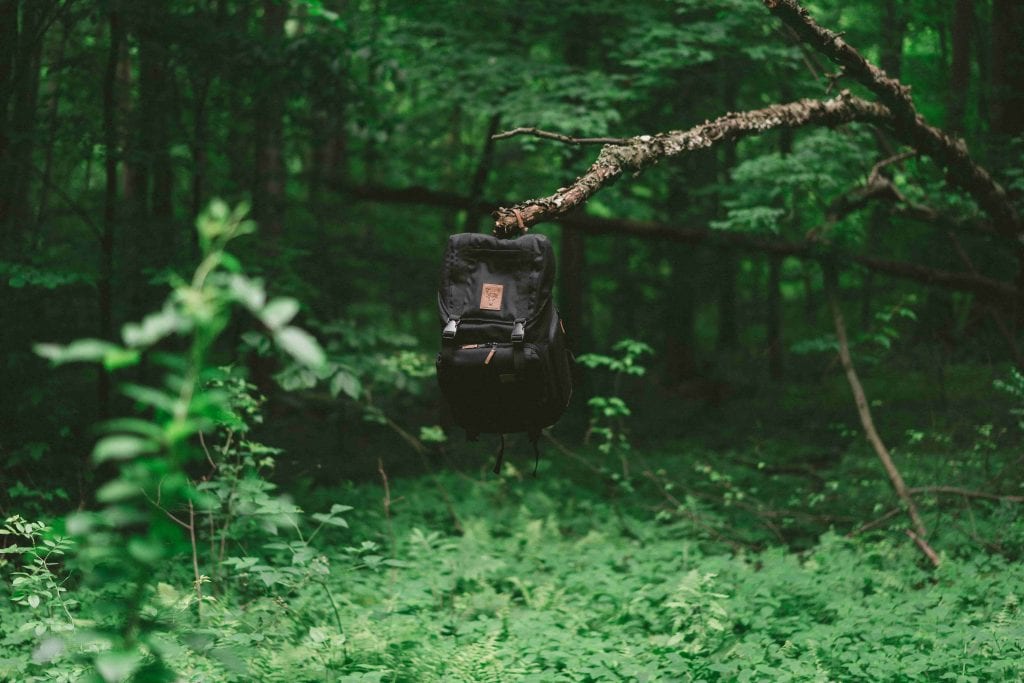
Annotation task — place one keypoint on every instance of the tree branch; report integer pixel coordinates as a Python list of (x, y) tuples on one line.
[(645, 150), (983, 287), (548, 135), (906, 122), (864, 411)]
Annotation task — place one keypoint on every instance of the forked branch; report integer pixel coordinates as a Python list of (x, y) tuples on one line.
[(908, 125), (919, 531), (645, 150)]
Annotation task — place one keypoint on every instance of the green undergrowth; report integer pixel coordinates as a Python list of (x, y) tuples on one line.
[(481, 578)]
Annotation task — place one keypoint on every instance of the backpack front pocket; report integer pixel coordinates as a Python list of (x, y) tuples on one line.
[(489, 389)]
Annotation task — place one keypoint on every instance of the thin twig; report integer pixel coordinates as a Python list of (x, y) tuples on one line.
[(925, 548), (195, 560), (876, 523), (170, 515), (568, 139), (387, 502), (888, 161), (966, 493), (864, 410)]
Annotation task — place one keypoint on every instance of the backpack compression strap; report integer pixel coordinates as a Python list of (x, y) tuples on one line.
[(509, 234)]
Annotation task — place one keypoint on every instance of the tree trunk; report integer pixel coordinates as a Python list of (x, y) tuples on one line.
[(774, 325), (24, 102), (728, 330), (960, 69), (573, 271), (479, 183), (8, 42), (269, 199), (1007, 69), (894, 26), (199, 148), (105, 285), (53, 117)]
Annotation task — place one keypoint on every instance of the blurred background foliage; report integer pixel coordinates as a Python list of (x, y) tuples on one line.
[(360, 131)]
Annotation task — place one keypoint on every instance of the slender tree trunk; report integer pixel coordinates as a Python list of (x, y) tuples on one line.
[(893, 28), (53, 118), (269, 200), (864, 411), (105, 285), (156, 120), (572, 271), (25, 98), (728, 330), (774, 326), (478, 185), (199, 143), (982, 41), (960, 69), (1007, 70), (8, 43)]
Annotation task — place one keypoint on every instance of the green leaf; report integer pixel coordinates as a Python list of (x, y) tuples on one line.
[(118, 490), (149, 396), (79, 351), (122, 447), (301, 346), (279, 312), (155, 326), (347, 383), (132, 425), (249, 292), (328, 519)]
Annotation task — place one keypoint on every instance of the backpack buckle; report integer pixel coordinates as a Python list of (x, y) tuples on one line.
[(450, 329), (518, 332)]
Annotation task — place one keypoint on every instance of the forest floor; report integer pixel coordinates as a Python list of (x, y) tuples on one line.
[(689, 558)]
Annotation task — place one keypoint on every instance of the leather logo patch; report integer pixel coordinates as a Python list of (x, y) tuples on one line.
[(490, 297)]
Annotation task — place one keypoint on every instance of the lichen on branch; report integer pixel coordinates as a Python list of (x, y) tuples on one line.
[(643, 151)]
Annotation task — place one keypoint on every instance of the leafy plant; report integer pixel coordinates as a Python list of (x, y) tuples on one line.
[(608, 413), (121, 545)]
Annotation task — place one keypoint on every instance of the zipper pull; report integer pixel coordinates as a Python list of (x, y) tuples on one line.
[(490, 355)]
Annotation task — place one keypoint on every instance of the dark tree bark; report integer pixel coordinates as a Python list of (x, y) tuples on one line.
[(728, 330), (8, 42), (573, 273), (478, 185), (53, 122), (24, 105), (894, 26), (908, 125), (110, 137), (269, 197), (199, 143), (638, 153), (960, 69), (1007, 69), (774, 326)]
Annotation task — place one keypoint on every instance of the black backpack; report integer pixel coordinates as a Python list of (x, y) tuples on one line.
[(504, 364)]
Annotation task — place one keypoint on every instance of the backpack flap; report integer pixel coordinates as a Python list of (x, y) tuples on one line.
[(494, 283)]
